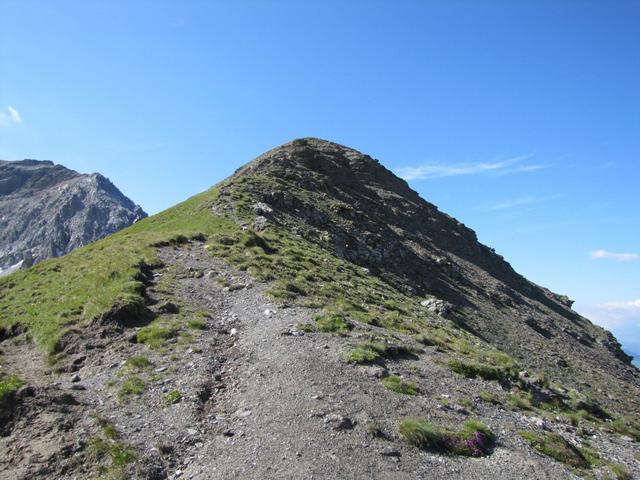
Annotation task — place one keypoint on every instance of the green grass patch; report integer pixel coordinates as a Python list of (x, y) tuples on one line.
[(474, 438), (520, 401), (396, 384), (9, 385), (620, 471), (172, 397), (132, 386), (305, 327), (475, 370), (626, 426), (157, 333), (138, 362), (196, 324), (489, 397), (332, 322), (366, 352), (555, 446)]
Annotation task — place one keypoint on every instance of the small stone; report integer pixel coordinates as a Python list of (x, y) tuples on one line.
[(233, 332), (191, 431), (75, 378), (338, 422), (390, 452), (228, 433), (160, 369), (77, 386), (168, 307)]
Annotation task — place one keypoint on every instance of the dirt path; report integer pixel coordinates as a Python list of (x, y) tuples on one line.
[(259, 399)]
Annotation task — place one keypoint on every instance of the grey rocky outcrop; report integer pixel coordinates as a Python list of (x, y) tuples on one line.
[(47, 210)]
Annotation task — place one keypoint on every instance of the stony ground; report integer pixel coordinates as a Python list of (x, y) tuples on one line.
[(259, 398)]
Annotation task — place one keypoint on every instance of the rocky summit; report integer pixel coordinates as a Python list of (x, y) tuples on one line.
[(47, 210), (309, 317)]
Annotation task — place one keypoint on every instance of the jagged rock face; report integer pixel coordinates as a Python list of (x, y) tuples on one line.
[(47, 210), (359, 210)]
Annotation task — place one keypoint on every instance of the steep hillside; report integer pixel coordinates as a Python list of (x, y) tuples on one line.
[(311, 316), (47, 210)]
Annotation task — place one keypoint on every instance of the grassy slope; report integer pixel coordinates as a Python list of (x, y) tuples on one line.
[(73, 289)]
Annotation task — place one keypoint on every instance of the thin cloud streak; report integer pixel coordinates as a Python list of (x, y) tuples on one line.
[(10, 116), (617, 257), (521, 202), (440, 170)]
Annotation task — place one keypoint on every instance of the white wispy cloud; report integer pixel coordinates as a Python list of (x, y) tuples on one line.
[(614, 315), (10, 116), (618, 257), (439, 170), (631, 305), (521, 202)]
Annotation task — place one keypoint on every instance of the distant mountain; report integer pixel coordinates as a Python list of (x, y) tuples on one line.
[(47, 210)]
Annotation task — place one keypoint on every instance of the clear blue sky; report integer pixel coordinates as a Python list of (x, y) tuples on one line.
[(522, 119)]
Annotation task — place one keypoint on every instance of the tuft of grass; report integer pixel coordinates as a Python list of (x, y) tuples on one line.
[(156, 333), (9, 385), (396, 384), (555, 446), (367, 352), (138, 362), (474, 370), (305, 327), (173, 397), (132, 386), (620, 471), (196, 324), (119, 453), (474, 439), (332, 322), (626, 426), (373, 429), (520, 401), (489, 397)]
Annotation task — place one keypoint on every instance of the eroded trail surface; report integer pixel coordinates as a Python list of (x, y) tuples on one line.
[(224, 384)]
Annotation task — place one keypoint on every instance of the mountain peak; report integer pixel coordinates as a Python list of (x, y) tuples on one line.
[(47, 210)]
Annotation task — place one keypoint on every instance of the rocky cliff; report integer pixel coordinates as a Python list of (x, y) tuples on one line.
[(47, 210)]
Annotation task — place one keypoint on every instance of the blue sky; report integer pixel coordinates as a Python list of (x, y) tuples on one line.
[(521, 119)]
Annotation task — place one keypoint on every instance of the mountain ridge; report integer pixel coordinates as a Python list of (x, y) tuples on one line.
[(310, 315)]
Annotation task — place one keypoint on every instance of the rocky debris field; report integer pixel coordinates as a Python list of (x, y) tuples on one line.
[(221, 382)]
